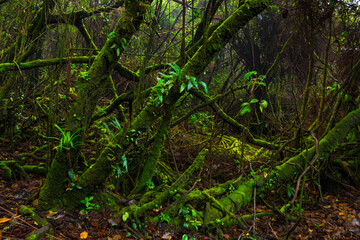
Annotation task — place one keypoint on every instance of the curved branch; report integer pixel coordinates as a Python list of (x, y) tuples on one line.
[(6, 67), (206, 103), (232, 121)]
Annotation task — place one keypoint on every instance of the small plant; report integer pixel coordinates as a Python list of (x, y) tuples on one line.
[(125, 216), (297, 208), (164, 217), (89, 205), (133, 136), (186, 237), (85, 76), (290, 190), (150, 184), (190, 217), (117, 170), (166, 82), (201, 121), (67, 141), (116, 124), (246, 106), (192, 83), (72, 181), (231, 188)]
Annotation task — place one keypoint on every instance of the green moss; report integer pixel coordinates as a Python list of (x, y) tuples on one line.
[(55, 184)]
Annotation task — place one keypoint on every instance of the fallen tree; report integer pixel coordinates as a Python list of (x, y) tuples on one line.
[(221, 203)]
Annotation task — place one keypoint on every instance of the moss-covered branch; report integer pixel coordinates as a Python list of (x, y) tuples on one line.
[(294, 165), (232, 121), (98, 173), (222, 209), (5, 67), (206, 103), (137, 211), (155, 153)]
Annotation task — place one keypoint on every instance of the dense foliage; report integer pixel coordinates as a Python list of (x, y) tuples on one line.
[(145, 98)]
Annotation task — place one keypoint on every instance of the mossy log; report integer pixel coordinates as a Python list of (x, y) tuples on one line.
[(220, 213), (44, 225), (138, 211), (10, 169)]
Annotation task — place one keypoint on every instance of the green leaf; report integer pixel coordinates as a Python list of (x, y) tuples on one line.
[(112, 34), (185, 237), (57, 126), (175, 67), (244, 104), (166, 76), (118, 52), (152, 11), (125, 216), (249, 74), (123, 158), (193, 81), (205, 87), (123, 43), (189, 85), (160, 96), (254, 100), (193, 213), (264, 103), (245, 110)]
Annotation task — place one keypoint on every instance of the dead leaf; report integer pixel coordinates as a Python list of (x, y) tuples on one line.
[(94, 223), (4, 220), (83, 235), (116, 237), (51, 213), (113, 222), (167, 236)]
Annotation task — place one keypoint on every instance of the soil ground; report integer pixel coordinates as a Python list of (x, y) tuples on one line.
[(336, 215)]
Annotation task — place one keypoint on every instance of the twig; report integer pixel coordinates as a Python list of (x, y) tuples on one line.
[(307, 169), (272, 230), (173, 156), (13, 215)]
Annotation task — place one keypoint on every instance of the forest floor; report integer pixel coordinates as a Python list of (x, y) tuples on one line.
[(335, 216)]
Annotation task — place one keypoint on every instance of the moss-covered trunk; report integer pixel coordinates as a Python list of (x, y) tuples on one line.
[(89, 87), (33, 34), (151, 112)]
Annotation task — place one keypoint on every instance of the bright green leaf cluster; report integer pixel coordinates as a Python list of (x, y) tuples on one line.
[(192, 83), (67, 141)]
